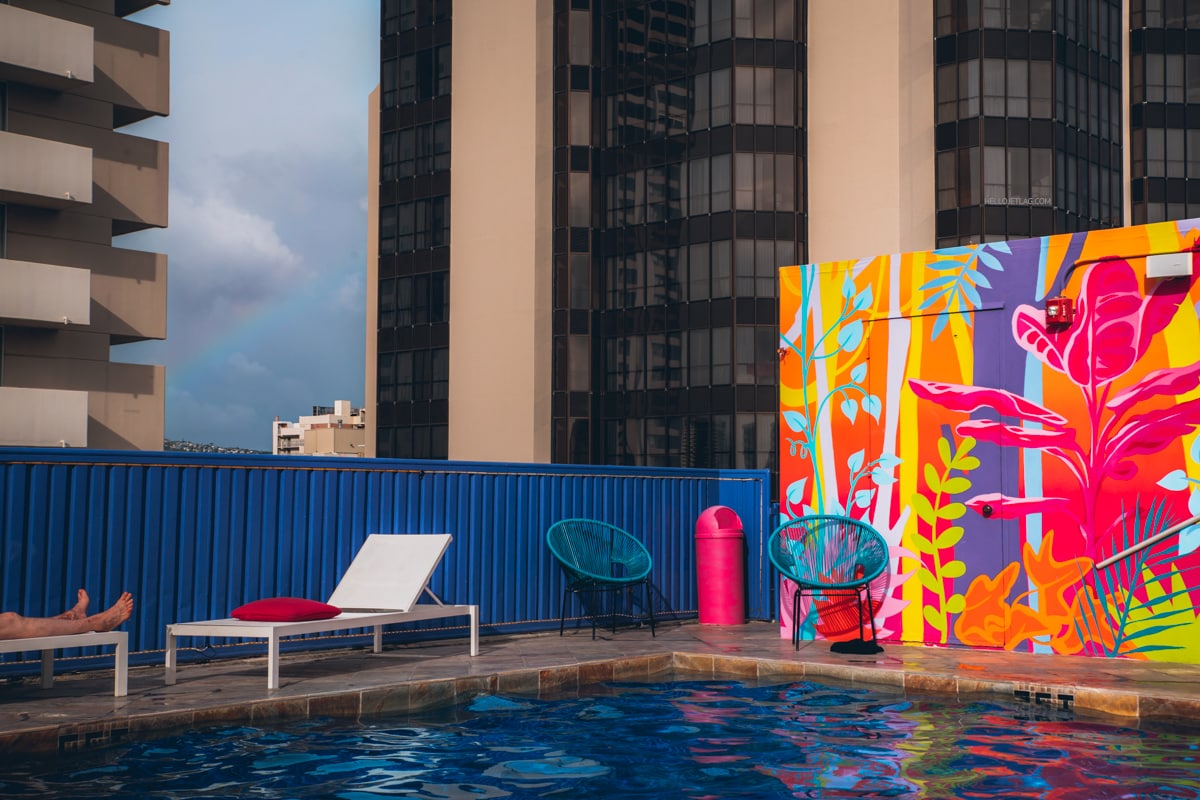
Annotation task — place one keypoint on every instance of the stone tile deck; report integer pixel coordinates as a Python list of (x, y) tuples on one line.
[(79, 712)]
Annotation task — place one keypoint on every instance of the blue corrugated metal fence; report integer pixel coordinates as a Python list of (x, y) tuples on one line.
[(195, 535)]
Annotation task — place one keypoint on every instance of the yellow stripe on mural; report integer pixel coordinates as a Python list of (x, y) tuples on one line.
[(912, 618)]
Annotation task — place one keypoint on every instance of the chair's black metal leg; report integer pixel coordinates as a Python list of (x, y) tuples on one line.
[(858, 598), (562, 612), (796, 619), (649, 608), (595, 611), (871, 614)]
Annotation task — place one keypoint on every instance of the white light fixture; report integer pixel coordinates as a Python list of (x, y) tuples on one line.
[(1169, 265)]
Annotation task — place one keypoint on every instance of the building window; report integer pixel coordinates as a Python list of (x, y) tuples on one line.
[(407, 79), (389, 156), (388, 76), (391, 17)]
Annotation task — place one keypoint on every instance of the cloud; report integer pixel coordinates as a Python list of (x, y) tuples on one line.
[(351, 294), (244, 365), (225, 248)]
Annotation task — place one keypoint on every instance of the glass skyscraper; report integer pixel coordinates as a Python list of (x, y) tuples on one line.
[(676, 152)]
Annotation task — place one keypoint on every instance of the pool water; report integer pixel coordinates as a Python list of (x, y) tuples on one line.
[(693, 739)]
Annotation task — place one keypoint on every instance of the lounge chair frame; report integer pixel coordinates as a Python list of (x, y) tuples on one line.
[(371, 584), (48, 644)]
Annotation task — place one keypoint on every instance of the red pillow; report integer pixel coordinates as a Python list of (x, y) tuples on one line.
[(285, 609)]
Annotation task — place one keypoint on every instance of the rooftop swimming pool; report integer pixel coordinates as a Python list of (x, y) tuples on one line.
[(696, 739)]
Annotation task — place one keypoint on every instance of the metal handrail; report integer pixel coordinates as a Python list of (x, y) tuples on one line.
[(1155, 539)]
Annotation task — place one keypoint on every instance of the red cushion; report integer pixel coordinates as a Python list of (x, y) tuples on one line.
[(285, 609)]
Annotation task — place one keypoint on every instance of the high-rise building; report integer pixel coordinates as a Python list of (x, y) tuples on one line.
[(72, 74), (582, 204)]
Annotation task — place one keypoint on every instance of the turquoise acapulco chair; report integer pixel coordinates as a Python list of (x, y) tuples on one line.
[(599, 558), (830, 555)]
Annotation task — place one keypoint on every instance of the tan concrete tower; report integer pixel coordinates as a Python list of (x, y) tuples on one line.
[(72, 74)]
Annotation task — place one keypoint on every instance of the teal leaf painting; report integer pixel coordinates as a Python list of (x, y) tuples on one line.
[(881, 478), (872, 406), (850, 335), (864, 299), (795, 421), (1174, 481), (795, 491)]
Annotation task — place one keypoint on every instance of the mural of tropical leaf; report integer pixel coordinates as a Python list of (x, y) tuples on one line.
[(957, 397), (1116, 604), (1166, 381)]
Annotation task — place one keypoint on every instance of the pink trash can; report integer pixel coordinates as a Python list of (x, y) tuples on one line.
[(720, 567)]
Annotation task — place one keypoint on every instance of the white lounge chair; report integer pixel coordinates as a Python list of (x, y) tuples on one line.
[(48, 644), (381, 587)]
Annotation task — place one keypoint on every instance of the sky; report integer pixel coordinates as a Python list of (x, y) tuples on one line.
[(266, 236)]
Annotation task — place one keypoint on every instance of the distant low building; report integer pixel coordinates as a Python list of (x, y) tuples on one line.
[(337, 430)]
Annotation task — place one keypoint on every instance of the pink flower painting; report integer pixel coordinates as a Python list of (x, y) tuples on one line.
[(1125, 418)]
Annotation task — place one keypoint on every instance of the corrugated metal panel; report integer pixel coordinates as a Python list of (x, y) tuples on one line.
[(194, 535)]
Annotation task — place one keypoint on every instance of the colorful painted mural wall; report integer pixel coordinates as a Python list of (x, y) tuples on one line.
[(1003, 457)]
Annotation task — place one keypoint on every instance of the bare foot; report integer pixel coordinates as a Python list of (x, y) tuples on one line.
[(80, 609), (114, 615)]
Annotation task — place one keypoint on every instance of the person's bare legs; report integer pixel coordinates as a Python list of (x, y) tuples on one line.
[(79, 611), (14, 626)]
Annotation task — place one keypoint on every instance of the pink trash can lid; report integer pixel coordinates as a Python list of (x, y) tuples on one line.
[(718, 522)]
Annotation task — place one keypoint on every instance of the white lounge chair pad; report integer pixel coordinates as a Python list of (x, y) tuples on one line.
[(390, 571)]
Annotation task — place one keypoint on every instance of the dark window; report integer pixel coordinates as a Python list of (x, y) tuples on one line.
[(406, 153), (387, 303), (404, 302), (387, 230), (441, 57), (388, 74), (391, 17), (440, 373), (439, 297), (406, 80), (389, 156), (386, 381)]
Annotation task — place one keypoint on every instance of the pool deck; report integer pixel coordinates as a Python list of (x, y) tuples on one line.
[(79, 712)]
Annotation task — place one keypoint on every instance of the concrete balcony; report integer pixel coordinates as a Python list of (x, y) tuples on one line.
[(43, 173), (43, 417), (129, 296), (131, 182), (133, 70), (44, 51), (44, 294), (126, 7)]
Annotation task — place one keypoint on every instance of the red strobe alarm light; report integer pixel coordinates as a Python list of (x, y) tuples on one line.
[(1060, 311)]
